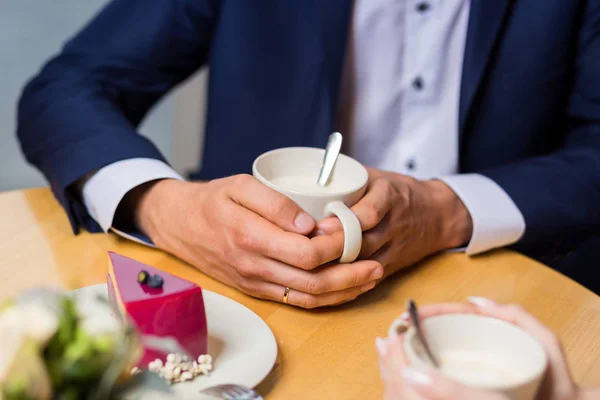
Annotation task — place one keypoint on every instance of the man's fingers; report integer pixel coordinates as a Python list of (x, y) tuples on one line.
[(375, 205), (306, 300), (254, 234), (370, 210), (375, 173), (271, 291), (329, 226), (374, 239), (270, 204), (305, 253), (330, 278)]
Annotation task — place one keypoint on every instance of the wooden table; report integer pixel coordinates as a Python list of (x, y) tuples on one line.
[(323, 354)]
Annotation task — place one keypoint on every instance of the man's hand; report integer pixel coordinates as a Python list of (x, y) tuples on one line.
[(404, 220), (253, 238)]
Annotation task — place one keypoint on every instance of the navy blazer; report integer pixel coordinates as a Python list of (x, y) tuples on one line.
[(529, 101)]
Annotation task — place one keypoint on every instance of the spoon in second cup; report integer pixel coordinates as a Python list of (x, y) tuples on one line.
[(414, 317), (334, 145)]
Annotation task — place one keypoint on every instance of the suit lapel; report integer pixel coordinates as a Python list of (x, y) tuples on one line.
[(485, 20)]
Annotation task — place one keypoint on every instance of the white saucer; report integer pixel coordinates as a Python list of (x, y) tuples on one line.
[(242, 345)]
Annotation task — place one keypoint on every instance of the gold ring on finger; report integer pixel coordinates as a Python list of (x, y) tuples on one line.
[(286, 294)]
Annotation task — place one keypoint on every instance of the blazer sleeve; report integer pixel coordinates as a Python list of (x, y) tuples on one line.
[(559, 193), (81, 111)]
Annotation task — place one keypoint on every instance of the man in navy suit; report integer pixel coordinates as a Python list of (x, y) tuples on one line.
[(479, 122)]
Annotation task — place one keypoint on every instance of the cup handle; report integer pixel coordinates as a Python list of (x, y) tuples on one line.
[(352, 230)]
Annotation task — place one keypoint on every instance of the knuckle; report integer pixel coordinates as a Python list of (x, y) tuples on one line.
[(245, 178), (308, 302), (280, 206), (214, 184), (242, 180), (264, 273), (385, 184), (314, 286), (245, 240), (371, 243), (308, 258), (217, 187), (390, 188), (371, 217), (246, 285), (355, 280), (247, 269)]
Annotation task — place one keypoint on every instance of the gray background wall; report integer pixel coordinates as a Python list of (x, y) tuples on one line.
[(33, 30)]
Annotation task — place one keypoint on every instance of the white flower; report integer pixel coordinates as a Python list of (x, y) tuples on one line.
[(203, 369), (186, 376), (178, 359), (179, 369), (168, 374), (177, 372)]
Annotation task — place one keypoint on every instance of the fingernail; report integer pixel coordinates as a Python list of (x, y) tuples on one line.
[(304, 222), (480, 301), (405, 316), (415, 377), (400, 328), (376, 274), (319, 233), (381, 346), (366, 287)]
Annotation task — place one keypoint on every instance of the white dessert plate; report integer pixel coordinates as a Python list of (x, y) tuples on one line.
[(242, 345)]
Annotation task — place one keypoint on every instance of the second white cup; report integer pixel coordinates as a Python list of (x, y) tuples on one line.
[(293, 171), (480, 351)]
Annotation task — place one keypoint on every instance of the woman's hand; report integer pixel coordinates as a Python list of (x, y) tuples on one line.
[(405, 382)]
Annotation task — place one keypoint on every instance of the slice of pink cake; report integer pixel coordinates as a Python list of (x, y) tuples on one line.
[(175, 309)]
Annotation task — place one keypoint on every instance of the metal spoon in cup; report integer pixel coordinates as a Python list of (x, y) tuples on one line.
[(334, 145), (414, 316)]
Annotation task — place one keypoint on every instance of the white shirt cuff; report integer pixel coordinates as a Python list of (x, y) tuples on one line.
[(103, 192), (497, 221)]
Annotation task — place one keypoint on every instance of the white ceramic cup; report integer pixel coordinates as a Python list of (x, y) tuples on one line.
[(482, 352), (347, 185)]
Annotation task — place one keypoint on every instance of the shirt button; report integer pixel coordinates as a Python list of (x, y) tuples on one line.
[(423, 7), (411, 164), (418, 83)]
